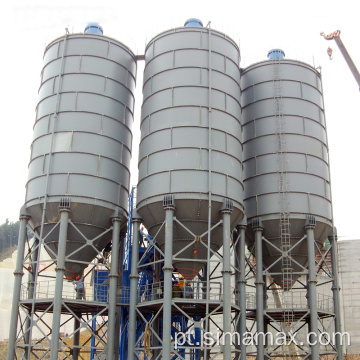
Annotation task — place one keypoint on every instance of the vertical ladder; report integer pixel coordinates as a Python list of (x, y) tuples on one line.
[(126, 278), (284, 216), (128, 239)]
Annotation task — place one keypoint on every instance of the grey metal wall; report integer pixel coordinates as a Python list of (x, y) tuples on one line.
[(349, 271), (189, 78), (82, 136), (285, 150)]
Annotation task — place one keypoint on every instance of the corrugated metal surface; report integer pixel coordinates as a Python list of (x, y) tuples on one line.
[(349, 269), (285, 152), (188, 78), (82, 137)]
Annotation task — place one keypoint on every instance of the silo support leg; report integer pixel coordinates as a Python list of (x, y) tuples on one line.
[(156, 321), (168, 270), (120, 311), (242, 290), (134, 277), (312, 299), (226, 274), (17, 288), (259, 294), (336, 293), (76, 336), (31, 292), (113, 279), (60, 270)]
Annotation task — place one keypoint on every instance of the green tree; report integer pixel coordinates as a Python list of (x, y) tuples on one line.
[(8, 234)]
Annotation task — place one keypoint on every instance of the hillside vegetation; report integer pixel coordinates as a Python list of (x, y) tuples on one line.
[(8, 238)]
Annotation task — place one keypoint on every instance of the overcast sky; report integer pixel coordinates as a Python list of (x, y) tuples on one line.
[(258, 26)]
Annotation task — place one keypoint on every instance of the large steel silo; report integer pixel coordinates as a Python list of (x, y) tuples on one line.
[(286, 169), (82, 141), (191, 89)]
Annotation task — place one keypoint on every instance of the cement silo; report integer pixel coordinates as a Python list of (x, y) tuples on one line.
[(76, 196), (286, 170), (82, 141), (190, 135), (287, 200)]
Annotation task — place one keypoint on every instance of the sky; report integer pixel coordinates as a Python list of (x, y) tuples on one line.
[(257, 26)]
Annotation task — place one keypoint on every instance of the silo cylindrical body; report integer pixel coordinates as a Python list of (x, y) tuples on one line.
[(286, 168), (190, 137), (82, 141)]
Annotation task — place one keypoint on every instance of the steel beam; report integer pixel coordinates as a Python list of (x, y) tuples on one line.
[(18, 273), (156, 321), (60, 271), (348, 59), (31, 293), (76, 336), (168, 271), (259, 290), (312, 282), (242, 289), (113, 279), (336, 293), (226, 274), (120, 310), (134, 277)]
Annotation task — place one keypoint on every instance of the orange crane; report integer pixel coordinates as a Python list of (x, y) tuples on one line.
[(336, 36)]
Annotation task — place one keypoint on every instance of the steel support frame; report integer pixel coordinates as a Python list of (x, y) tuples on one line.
[(259, 283), (112, 341), (336, 293), (134, 278), (315, 280), (60, 272), (18, 273), (27, 316), (156, 341), (240, 287)]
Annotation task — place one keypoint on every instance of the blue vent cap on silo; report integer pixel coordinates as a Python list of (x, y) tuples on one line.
[(276, 54), (193, 22), (93, 28)]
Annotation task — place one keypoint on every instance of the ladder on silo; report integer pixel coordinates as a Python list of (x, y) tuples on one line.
[(284, 216), (128, 238), (124, 319)]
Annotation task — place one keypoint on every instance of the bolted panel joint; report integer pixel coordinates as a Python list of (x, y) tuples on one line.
[(64, 203), (228, 205), (169, 202), (310, 221), (333, 236), (24, 213), (257, 224), (135, 217), (243, 223)]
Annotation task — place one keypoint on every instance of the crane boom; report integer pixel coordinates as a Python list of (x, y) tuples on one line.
[(336, 36)]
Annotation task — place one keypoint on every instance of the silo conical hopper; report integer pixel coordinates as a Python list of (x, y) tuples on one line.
[(82, 141), (190, 119), (286, 170)]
